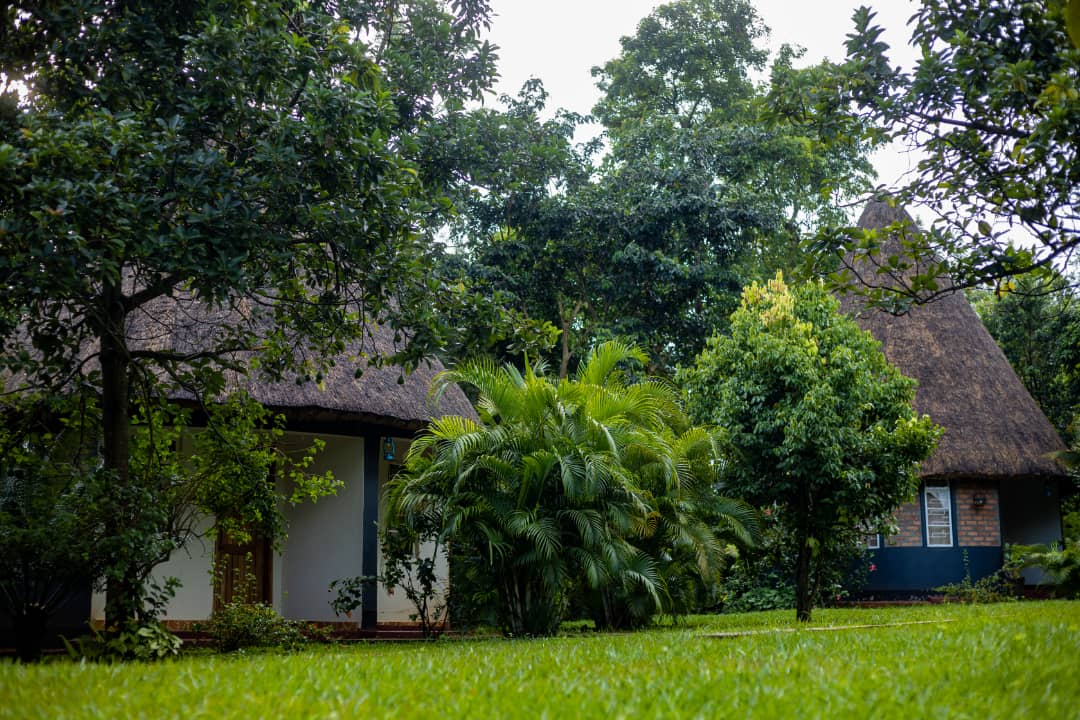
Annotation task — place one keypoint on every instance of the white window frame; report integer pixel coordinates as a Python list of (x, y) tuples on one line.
[(941, 491), (873, 541)]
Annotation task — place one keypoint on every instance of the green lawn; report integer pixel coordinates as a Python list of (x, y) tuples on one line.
[(1016, 660)]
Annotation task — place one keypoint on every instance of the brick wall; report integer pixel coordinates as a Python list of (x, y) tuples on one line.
[(909, 520), (977, 526)]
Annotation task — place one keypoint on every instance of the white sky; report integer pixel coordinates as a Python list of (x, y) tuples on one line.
[(559, 41)]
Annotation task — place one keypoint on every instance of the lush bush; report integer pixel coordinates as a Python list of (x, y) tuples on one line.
[(242, 625), (52, 523), (591, 490), (1070, 518), (1061, 562), (762, 577), (149, 640), (745, 590), (142, 637)]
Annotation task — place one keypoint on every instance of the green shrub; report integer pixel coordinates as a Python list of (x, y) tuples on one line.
[(1070, 517), (999, 586), (746, 590), (1061, 562), (143, 637), (137, 641), (762, 578), (241, 625)]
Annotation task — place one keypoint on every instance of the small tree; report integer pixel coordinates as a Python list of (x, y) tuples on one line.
[(814, 420)]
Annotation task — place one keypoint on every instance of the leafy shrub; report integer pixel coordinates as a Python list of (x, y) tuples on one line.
[(143, 637), (999, 586), (747, 590), (1070, 517), (136, 641), (569, 489), (1061, 562), (241, 625), (763, 577), (410, 561)]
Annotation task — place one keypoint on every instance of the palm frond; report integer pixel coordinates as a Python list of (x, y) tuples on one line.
[(605, 357)]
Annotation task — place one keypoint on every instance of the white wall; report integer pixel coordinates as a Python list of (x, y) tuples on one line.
[(324, 543), (192, 565), (325, 538)]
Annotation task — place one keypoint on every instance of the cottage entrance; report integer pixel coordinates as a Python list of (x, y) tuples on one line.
[(242, 570)]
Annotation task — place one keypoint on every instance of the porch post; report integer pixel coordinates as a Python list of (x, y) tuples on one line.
[(369, 558)]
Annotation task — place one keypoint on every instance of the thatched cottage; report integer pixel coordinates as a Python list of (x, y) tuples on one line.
[(367, 423), (989, 482)]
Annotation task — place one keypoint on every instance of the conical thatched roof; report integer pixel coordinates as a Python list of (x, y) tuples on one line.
[(993, 427)]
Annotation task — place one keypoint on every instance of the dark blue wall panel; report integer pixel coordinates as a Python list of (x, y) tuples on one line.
[(921, 569)]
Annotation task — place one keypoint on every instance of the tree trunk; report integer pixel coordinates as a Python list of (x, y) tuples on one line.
[(564, 360), (566, 321), (122, 591), (802, 581), (30, 624)]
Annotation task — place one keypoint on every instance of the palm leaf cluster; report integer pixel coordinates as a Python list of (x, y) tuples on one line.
[(592, 492)]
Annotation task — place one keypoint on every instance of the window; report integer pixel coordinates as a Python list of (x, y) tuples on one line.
[(938, 507), (873, 541)]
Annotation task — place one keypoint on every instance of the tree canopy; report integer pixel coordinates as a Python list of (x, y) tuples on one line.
[(993, 105), (701, 187), (253, 169), (1038, 328), (814, 420)]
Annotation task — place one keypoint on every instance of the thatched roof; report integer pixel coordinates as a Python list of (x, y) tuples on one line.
[(384, 397), (993, 427)]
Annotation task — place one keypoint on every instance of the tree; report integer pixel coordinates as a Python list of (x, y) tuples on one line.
[(560, 487), (1037, 326), (993, 105), (248, 167), (814, 420), (702, 187)]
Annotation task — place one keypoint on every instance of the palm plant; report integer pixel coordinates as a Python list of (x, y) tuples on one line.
[(557, 486)]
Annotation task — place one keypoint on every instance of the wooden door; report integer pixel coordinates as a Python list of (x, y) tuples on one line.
[(242, 570)]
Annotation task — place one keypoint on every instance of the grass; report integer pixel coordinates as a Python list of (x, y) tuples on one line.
[(993, 661)]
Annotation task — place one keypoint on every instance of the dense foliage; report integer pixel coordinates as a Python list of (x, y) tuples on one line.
[(703, 187), (993, 105), (49, 494), (57, 505), (255, 169), (593, 489), (1037, 326), (239, 625), (814, 421)]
